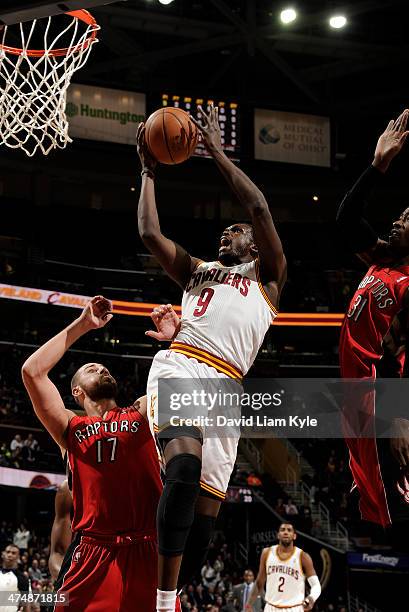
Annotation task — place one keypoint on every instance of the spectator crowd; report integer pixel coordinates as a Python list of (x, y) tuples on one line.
[(34, 553), (219, 587), (21, 452)]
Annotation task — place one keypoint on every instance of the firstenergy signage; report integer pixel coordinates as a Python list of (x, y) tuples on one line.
[(99, 113)]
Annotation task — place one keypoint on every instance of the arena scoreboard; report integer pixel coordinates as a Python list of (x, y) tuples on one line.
[(229, 119), (238, 495)]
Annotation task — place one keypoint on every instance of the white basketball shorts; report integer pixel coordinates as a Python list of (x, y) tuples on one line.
[(218, 452)]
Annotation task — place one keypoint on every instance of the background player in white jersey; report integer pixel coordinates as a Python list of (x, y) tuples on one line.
[(227, 308), (284, 568)]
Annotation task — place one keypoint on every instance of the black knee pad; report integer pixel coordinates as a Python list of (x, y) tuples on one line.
[(177, 503)]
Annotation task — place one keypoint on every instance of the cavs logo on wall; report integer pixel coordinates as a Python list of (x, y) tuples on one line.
[(326, 568), (40, 481)]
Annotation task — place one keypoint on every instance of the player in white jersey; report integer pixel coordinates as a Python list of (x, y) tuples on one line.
[(227, 308), (284, 568)]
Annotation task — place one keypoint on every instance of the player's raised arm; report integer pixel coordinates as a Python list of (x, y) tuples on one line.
[(46, 399), (259, 582), (361, 237), (273, 264), (61, 531), (176, 262), (312, 579)]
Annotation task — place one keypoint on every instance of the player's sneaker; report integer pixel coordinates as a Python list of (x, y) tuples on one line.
[(178, 606)]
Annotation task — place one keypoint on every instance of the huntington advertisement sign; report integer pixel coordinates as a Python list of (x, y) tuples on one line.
[(98, 113), (292, 138)]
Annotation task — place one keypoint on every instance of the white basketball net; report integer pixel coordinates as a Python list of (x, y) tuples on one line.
[(33, 88)]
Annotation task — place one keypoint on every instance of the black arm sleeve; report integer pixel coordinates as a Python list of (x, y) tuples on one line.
[(356, 230)]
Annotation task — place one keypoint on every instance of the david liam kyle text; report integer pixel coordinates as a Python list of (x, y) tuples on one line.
[(295, 421)]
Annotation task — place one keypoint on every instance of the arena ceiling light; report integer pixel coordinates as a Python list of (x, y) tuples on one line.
[(338, 21), (165, 1), (288, 15)]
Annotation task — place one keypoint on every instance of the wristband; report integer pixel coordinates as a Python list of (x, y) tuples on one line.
[(148, 172), (315, 587)]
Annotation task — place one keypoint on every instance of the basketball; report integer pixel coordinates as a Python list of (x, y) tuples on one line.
[(171, 135)]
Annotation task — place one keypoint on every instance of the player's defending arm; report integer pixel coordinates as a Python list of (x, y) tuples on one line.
[(61, 531), (312, 579), (360, 236), (46, 399), (176, 262), (273, 266), (260, 581)]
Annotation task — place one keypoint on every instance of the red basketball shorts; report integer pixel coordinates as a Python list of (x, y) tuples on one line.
[(117, 573)]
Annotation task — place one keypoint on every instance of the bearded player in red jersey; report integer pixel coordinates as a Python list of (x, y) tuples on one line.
[(116, 481), (380, 470)]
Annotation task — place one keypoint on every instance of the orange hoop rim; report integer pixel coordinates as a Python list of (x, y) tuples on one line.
[(82, 15)]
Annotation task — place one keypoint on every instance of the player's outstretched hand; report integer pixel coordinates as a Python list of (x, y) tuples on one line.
[(391, 141), (166, 321), (208, 124), (308, 603), (147, 160), (97, 312)]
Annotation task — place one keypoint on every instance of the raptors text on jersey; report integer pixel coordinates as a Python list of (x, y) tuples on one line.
[(377, 301), (115, 473)]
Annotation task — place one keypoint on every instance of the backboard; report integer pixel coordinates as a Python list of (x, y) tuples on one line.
[(16, 11)]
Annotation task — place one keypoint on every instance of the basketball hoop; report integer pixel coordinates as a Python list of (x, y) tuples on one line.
[(34, 82)]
